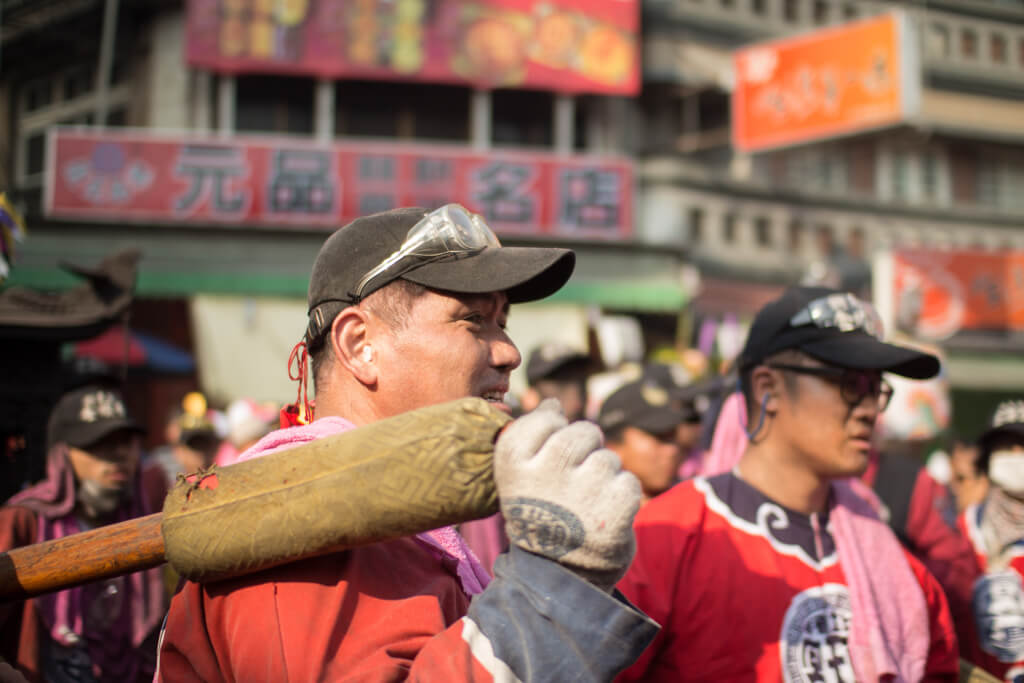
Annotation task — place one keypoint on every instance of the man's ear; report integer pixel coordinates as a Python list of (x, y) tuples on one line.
[(350, 341), (766, 389)]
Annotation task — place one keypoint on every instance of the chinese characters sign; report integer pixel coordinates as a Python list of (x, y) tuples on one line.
[(562, 45), (940, 293), (274, 182), (831, 82)]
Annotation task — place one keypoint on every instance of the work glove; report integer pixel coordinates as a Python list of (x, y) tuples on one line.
[(565, 497)]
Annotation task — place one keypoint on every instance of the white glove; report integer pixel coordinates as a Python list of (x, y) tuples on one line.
[(565, 497)]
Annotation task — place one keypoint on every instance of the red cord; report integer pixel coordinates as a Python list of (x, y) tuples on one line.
[(301, 412)]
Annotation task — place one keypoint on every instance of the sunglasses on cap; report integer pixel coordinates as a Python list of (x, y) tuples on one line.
[(854, 385), (843, 312), (449, 233)]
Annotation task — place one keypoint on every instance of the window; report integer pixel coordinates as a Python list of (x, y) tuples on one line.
[(35, 153), (763, 231), (727, 4), (38, 94), (937, 40), (522, 117), (791, 10), (968, 43), (796, 233), (997, 47), (274, 104), (963, 162), (899, 181), (77, 83), (820, 12), (989, 182), (850, 11), (929, 175), (117, 117), (861, 158), (757, 6), (729, 228), (696, 225), (1020, 51)]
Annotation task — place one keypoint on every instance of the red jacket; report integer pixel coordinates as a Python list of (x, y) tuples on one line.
[(746, 590), (394, 611)]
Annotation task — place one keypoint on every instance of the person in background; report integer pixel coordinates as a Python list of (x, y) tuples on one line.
[(995, 527), (799, 580), (103, 631), (640, 422), (197, 440), (968, 482), (248, 421), (556, 370)]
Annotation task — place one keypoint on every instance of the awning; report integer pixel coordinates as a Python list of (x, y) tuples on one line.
[(138, 350)]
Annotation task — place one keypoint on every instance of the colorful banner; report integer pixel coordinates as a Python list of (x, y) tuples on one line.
[(124, 177), (573, 46), (836, 81), (940, 293)]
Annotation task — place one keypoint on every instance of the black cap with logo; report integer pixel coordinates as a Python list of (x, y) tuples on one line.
[(834, 327), (642, 404), (84, 416), (550, 358)]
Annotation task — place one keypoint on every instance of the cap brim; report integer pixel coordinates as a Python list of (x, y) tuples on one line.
[(89, 434), (861, 351), (1015, 429), (658, 421), (523, 273)]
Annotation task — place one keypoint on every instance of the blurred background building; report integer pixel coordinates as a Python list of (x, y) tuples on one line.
[(237, 133)]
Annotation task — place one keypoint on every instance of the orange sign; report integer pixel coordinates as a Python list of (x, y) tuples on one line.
[(940, 293), (836, 81)]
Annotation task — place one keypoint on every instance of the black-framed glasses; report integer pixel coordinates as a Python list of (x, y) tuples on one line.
[(854, 385)]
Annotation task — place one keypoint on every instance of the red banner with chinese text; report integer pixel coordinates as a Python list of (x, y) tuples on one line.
[(126, 177), (940, 293), (562, 45)]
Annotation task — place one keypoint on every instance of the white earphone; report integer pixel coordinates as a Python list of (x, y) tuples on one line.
[(367, 354)]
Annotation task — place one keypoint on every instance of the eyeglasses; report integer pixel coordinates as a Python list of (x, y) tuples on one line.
[(854, 385), (446, 234), (844, 312)]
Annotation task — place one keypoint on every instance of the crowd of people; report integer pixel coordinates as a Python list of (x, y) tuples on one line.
[(748, 526)]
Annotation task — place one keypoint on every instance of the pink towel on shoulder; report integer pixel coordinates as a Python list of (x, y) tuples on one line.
[(890, 634), (444, 541)]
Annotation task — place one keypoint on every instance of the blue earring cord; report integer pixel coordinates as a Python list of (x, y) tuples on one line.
[(760, 420)]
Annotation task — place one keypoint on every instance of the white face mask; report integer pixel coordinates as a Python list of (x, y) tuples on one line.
[(1006, 470)]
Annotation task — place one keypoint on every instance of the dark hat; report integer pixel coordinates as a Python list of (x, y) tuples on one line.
[(550, 357), (641, 404), (523, 273), (677, 382), (834, 327), (84, 416), (1007, 420)]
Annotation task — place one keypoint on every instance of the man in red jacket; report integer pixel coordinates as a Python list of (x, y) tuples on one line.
[(407, 308), (778, 570)]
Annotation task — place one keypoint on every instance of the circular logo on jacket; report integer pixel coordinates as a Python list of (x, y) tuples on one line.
[(815, 631), (998, 604)]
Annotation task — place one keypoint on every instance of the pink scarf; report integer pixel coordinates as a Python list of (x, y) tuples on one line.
[(444, 542), (53, 500), (889, 637)]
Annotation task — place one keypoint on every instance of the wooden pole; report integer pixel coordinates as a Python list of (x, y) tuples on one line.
[(78, 559)]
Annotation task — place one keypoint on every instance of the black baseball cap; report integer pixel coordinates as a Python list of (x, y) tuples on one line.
[(1007, 420), (642, 404), (84, 416), (523, 273), (833, 327), (551, 357)]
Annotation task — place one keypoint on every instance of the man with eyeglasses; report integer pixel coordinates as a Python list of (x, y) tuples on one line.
[(779, 570), (407, 308)]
